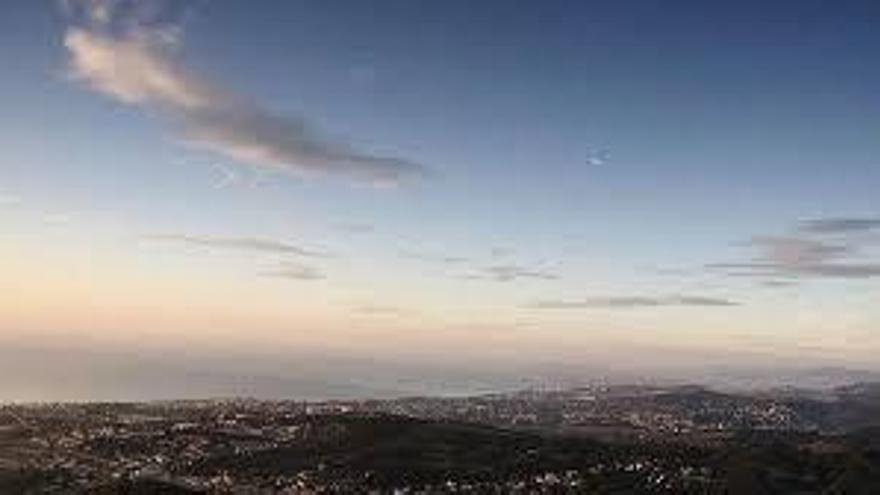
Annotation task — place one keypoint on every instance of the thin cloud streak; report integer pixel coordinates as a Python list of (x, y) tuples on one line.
[(819, 270), (510, 273), (629, 302), (844, 270), (129, 53), (795, 252), (432, 258), (806, 257), (239, 243), (779, 283), (840, 225), (295, 271)]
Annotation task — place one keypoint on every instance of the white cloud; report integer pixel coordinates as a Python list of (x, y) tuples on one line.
[(134, 70), (129, 53)]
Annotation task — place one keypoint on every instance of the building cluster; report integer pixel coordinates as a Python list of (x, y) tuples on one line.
[(216, 445), (626, 409)]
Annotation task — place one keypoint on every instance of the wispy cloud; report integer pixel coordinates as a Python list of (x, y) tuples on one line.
[(840, 225), (778, 283), (228, 176), (701, 301), (128, 50), (597, 157), (626, 302), (442, 259), (843, 270), (380, 310), (807, 254), (510, 273), (239, 243), (849, 270), (795, 252), (499, 271), (295, 271)]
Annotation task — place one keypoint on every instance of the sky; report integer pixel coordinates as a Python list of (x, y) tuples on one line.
[(272, 198)]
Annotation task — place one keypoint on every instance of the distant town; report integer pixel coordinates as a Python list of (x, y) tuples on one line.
[(640, 439)]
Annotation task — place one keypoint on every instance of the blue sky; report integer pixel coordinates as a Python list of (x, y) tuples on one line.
[(610, 173)]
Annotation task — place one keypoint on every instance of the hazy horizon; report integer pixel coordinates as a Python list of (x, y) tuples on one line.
[(293, 198)]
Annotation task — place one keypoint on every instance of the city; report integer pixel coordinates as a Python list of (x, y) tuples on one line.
[(641, 439)]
